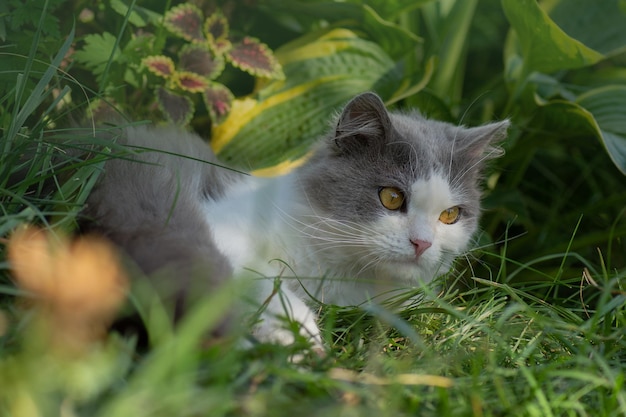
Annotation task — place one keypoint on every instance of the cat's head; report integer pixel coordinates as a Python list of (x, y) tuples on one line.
[(395, 196)]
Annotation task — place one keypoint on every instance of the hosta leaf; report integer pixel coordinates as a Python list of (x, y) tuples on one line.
[(190, 81), (393, 38), (176, 108), (185, 20), (598, 24), (607, 105), (200, 60), (218, 100), (216, 27), (160, 65), (272, 130), (256, 58), (544, 46), (597, 113)]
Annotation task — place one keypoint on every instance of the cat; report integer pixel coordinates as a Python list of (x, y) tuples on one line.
[(386, 201)]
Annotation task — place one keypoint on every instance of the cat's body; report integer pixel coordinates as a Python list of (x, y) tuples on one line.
[(386, 201)]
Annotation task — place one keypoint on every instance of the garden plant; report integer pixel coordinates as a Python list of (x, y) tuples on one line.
[(532, 322)]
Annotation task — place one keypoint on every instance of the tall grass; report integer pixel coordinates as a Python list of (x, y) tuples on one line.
[(541, 336)]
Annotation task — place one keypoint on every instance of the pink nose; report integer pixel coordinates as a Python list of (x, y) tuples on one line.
[(420, 246)]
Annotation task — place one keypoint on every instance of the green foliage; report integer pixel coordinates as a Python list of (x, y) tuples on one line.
[(177, 86), (533, 323)]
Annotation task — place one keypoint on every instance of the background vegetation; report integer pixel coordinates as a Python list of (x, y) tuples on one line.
[(531, 323)]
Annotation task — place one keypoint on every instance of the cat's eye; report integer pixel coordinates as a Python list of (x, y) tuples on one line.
[(391, 198), (450, 215)]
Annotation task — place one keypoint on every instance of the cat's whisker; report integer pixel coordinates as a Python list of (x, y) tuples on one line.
[(176, 204)]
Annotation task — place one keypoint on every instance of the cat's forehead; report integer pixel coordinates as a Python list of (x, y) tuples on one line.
[(418, 147)]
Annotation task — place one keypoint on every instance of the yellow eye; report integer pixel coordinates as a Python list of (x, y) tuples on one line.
[(450, 215), (391, 198)]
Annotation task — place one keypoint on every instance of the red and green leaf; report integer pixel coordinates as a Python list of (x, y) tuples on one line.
[(160, 65), (185, 20), (216, 27), (255, 58), (200, 60), (190, 81), (176, 108), (218, 100), (220, 46)]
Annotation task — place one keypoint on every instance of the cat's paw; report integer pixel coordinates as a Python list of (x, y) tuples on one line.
[(274, 323)]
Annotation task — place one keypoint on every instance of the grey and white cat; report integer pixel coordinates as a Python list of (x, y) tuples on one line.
[(385, 201)]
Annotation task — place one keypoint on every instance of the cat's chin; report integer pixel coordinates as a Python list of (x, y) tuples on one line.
[(409, 272)]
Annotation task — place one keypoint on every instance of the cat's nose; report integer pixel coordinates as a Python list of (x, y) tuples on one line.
[(420, 246)]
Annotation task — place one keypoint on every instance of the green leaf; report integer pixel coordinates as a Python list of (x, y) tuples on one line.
[(255, 58), (390, 9), (176, 108), (139, 16), (452, 25), (394, 39), (607, 106), (185, 20), (273, 129), (598, 24), (96, 52), (544, 46), (597, 113), (199, 59)]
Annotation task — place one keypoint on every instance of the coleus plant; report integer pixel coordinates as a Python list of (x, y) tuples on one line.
[(202, 60)]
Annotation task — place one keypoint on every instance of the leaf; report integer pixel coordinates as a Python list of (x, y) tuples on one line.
[(199, 59), (544, 46), (393, 38), (160, 65), (185, 20), (390, 9), (216, 28), (274, 129), (139, 16), (190, 81), (597, 113), (96, 52), (255, 58), (598, 24), (218, 100), (452, 26), (607, 105), (176, 108), (137, 48)]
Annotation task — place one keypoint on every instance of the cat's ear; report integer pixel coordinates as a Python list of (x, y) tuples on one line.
[(481, 142), (363, 120)]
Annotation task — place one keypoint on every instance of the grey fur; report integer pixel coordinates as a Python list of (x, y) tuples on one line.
[(373, 148), (148, 201)]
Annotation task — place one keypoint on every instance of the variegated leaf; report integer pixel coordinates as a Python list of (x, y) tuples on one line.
[(176, 108), (200, 60), (218, 100), (255, 58), (185, 20), (190, 81), (216, 27), (160, 65)]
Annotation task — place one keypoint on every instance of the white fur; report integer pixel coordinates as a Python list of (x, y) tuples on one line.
[(266, 231)]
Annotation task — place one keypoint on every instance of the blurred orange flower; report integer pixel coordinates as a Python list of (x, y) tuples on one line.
[(78, 284)]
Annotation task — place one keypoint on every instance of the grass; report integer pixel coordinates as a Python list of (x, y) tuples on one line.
[(535, 335)]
